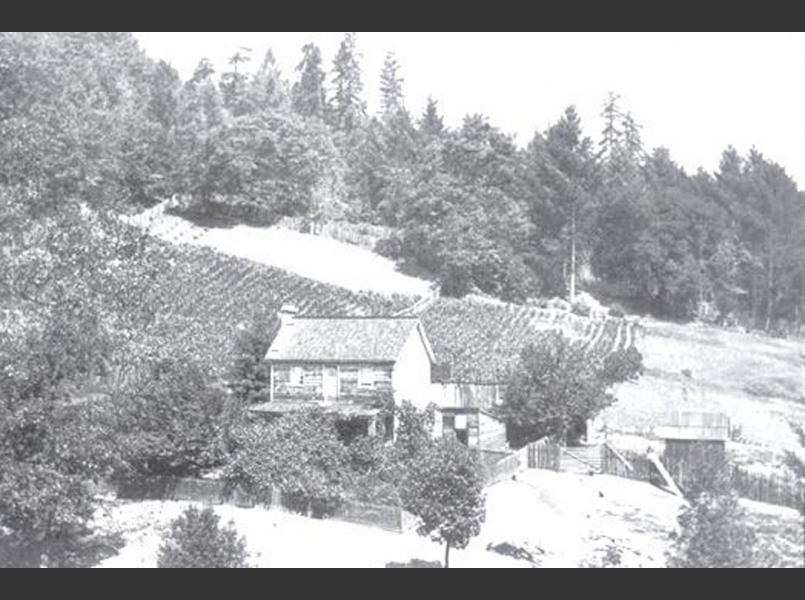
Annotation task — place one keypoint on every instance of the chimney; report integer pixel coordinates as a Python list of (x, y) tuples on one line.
[(287, 314)]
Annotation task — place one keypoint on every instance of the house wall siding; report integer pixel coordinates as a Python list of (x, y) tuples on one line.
[(482, 430), (312, 387), (467, 395), (492, 433), (411, 375)]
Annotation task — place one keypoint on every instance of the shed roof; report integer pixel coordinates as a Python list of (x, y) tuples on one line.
[(693, 426), (344, 339)]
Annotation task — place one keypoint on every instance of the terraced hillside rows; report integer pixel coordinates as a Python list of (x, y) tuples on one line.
[(482, 340), (203, 297)]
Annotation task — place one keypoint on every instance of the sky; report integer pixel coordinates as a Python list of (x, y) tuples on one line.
[(694, 93)]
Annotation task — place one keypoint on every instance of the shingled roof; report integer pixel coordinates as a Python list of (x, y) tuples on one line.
[(328, 339)]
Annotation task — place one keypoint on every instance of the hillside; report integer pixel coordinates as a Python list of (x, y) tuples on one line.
[(756, 380), (483, 339), (560, 519), (320, 258), (202, 297)]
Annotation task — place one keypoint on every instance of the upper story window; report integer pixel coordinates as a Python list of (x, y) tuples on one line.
[(366, 376), (297, 376)]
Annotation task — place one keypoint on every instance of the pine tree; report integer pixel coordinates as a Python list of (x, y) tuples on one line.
[(308, 93), (267, 89), (611, 135), (233, 83), (348, 108), (431, 123), (391, 92)]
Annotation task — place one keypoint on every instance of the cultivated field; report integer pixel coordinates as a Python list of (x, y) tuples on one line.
[(483, 339), (315, 257)]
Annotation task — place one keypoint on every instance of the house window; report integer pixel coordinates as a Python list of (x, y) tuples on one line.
[(297, 376), (366, 377)]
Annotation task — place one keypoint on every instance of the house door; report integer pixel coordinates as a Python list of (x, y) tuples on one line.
[(329, 382)]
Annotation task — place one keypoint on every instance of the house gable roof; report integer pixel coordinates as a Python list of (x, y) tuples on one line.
[(345, 339)]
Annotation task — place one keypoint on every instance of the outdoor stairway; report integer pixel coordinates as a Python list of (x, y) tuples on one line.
[(580, 459)]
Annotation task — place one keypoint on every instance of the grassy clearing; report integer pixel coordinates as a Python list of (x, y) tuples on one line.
[(757, 381)]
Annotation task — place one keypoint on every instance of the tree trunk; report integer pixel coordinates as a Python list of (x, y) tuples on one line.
[(769, 290), (447, 555), (573, 253)]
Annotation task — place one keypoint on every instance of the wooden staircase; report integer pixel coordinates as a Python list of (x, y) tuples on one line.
[(585, 460)]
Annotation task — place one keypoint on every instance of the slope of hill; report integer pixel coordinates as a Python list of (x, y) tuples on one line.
[(756, 380), (482, 339), (560, 519), (320, 258), (203, 297)]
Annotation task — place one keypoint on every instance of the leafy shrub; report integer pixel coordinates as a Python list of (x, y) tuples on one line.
[(250, 373), (415, 563), (456, 279), (371, 488), (196, 541), (622, 365), (178, 423), (366, 454), (538, 302), (390, 247), (616, 310), (558, 303), (300, 453), (580, 309), (713, 533), (414, 431)]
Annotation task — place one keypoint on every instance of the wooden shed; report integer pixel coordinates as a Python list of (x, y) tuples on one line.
[(691, 439)]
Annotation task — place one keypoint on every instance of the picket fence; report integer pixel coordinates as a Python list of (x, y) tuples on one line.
[(215, 491), (771, 489), (541, 454)]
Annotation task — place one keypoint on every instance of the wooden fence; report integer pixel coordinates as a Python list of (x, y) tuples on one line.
[(772, 489), (215, 491), (542, 454), (629, 465), (363, 235)]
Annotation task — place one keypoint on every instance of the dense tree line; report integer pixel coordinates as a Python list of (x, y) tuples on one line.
[(90, 116)]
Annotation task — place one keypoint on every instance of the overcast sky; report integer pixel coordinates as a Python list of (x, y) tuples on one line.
[(695, 93)]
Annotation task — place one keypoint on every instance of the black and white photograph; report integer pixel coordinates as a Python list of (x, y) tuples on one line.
[(402, 300)]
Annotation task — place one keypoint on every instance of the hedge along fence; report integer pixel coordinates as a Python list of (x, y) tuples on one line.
[(216, 491)]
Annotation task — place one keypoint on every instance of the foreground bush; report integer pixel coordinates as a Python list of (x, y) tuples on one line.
[(299, 453), (177, 423), (713, 529), (415, 563), (622, 365), (195, 541)]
